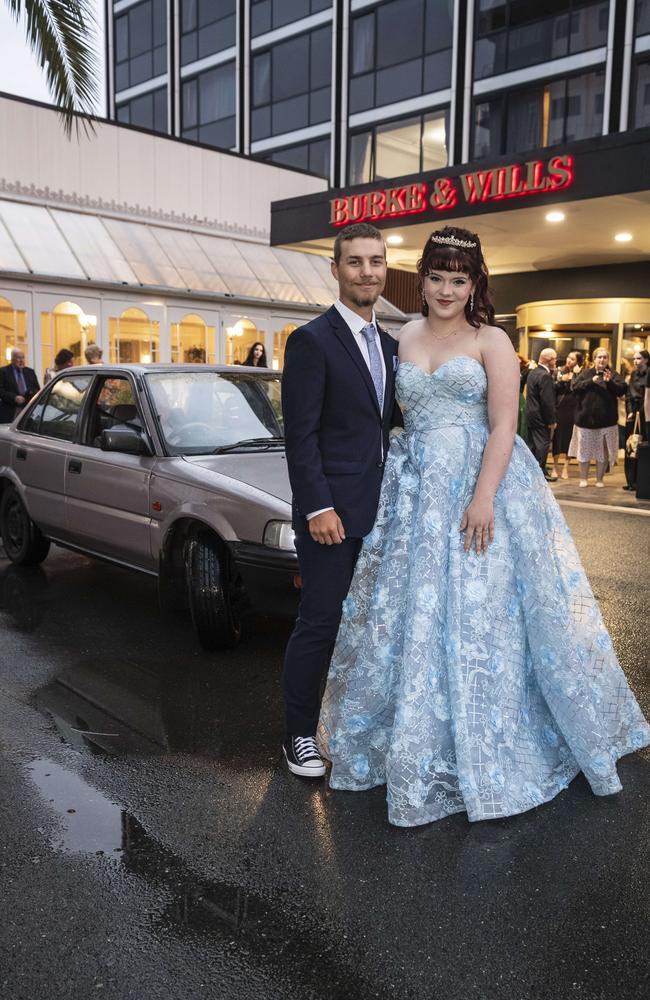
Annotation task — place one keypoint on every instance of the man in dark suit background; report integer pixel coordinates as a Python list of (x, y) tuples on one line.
[(541, 406), (17, 386), (338, 399)]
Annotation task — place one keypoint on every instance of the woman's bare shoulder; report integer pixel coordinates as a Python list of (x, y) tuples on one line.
[(411, 329)]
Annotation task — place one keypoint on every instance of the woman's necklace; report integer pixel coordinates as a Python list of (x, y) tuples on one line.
[(445, 336)]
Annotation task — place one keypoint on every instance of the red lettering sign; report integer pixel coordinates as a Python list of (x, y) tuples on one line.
[(480, 186)]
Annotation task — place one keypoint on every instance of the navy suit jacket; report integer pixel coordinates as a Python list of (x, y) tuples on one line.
[(336, 436), (541, 408), (9, 391)]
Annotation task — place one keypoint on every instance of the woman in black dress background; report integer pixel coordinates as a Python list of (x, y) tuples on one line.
[(566, 408)]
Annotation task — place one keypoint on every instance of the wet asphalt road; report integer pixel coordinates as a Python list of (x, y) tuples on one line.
[(153, 846)]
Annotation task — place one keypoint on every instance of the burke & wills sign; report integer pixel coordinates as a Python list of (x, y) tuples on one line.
[(514, 181)]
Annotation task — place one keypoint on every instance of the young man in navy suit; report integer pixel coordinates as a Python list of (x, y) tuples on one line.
[(338, 399)]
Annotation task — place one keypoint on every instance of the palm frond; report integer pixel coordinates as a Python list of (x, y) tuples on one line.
[(60, 34)]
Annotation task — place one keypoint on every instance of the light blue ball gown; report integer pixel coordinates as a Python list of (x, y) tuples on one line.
[(447, 682)]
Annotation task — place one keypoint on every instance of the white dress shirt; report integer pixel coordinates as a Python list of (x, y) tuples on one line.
[(356, 324)]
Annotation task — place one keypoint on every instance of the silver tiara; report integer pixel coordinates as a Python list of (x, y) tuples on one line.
[(453, 241)]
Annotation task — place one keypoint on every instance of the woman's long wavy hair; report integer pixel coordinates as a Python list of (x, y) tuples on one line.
[(436, 257), (250, 357)]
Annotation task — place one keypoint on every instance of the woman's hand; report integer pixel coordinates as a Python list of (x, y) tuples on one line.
[(478, 525)]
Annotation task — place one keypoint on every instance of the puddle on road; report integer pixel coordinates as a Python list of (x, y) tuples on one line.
[(271, 930)]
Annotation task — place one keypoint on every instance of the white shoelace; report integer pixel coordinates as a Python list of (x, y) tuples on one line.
[(305, 747)]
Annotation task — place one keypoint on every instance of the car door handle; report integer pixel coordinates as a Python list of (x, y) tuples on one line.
[(74, 466), (21, 454)]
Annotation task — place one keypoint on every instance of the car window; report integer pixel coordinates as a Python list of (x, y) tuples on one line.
[(114, 405), (202, 411), (56, 413)]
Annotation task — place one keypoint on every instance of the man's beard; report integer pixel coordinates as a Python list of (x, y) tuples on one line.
[(368, 299)]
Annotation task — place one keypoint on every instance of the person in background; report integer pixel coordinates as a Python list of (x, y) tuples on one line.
[(64, 359), (18, 384), (540, 407), (595, 433), (256, 357), (524, 369), (94, 354), (635, 421), (566, 406)]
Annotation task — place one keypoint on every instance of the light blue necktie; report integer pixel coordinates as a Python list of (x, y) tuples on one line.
[(376, 371)]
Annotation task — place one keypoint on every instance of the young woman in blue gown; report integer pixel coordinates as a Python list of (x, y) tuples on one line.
[(446, 683)]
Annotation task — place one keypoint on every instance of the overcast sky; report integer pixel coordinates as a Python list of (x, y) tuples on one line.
[(20, 73)]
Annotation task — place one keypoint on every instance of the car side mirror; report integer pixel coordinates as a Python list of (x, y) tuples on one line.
[(128, 440)]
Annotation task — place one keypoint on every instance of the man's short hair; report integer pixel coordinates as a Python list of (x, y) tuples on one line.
[(358, 230), (93, 351), (63, 357)]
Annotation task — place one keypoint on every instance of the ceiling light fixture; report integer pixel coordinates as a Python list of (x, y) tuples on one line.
[(394, 240), (623, 237), (555, 216)]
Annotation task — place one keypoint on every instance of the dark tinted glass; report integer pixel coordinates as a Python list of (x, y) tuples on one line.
[(290, 67), (643, 17), (262, 79), (438, 25), (399, 32), (321, 58), (641, 96)]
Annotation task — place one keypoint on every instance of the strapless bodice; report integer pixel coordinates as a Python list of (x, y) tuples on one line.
[(454, 394)]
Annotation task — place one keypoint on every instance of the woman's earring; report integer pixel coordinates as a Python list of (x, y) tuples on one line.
[(471, 302)]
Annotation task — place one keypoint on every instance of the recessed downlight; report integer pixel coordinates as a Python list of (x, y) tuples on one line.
[(394, 240), (555, 216), (623, 237)]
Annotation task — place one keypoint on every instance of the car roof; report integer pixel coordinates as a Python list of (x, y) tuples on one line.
[(143, 369)]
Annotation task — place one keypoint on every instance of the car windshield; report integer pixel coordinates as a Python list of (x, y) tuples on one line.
[(203, 412)]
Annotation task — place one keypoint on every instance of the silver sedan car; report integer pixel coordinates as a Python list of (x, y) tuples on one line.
[(177, 471)]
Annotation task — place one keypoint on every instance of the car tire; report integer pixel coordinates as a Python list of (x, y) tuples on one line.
[(214, 593), (23, 542)]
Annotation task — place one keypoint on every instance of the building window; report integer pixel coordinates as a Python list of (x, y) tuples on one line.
[(641, 95), (399, 148), (146, 111), (193, 341), (400, 49), (66, 326), (291, 84), (240, 338), (642, 26), (209, 107), (313, 156), (550, 113), (133, 338), (140, 43), (13, 330), (207, 27), (511, 34), (266, 15)]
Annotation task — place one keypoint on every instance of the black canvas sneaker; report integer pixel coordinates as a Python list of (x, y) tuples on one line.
[(303, 757)]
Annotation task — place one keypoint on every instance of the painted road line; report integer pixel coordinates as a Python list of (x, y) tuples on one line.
[(603, 506)]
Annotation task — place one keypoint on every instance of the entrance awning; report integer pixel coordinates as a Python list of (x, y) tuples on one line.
[(52, 243)]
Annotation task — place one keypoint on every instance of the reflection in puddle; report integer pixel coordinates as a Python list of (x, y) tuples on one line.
[(90, 823)]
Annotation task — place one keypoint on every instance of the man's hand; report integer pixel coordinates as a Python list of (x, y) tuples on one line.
[(20, 400), (327, 528), (551, 428)]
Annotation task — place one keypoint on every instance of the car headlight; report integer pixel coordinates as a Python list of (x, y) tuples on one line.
[(279, 535)]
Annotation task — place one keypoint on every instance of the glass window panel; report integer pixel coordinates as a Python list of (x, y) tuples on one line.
[(359, 158), (643, 17), (190, 104), (194, 267), (159, 16), (439, 25), (554, 111), (101, 258), (268, 268), (261, 123), (585, 106), (490, 55), (312, 275), (121, 76), (286, 11), (437, 71), (142, 111), (290, 67), (123, 112), (221, 133), (537, 42), (487, 129), (141, 69), (262, 79), (291, 114), (398, 149), (228, 261), (320, 106), (189, 12), (491, 15), (160, 60), (62, 407), (641, 96), (319, 157), (524, 127), (261, 18), (399, 82), (321, 58), (134, 338), (363, 44), (210, 40), (589, 27), (434, 142), (122, 38), (189, 48), (140, 34), (292, 156), (399, 32), (10, 259), (40, 241), (362, 93), (317, 5), (160, 110)]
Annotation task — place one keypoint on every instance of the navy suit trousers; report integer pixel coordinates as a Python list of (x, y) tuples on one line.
[(326, 572)]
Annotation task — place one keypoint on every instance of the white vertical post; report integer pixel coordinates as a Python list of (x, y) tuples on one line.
[(451, 138), (628, 52), (468, 82), (344, 28)]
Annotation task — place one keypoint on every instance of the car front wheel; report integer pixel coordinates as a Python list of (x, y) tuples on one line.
[(23, 542), (214, 593)]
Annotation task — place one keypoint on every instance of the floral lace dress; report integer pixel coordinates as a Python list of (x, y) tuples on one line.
[(446, 683)]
